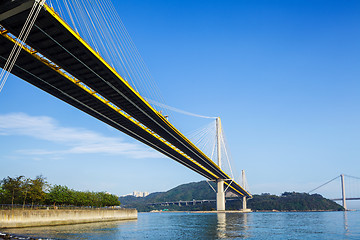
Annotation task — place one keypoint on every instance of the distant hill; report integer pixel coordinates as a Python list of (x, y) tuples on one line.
[(288, 201), (292, 201), (185, 192)]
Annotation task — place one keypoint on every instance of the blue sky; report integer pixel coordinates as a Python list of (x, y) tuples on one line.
[(282, 75)]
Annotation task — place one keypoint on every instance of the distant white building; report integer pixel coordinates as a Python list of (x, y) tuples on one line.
[(140, 194), (137, 194)]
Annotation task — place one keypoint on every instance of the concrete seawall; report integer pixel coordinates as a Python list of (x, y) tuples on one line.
[(33, 218)]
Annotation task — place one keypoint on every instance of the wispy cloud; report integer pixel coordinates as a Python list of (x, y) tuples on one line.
[(75, 140)]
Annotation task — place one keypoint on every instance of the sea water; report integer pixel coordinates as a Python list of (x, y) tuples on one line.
[(257, 225)]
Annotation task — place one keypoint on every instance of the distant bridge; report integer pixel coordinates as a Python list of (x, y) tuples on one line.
[(340, 199), (188, 203), (343, 189)]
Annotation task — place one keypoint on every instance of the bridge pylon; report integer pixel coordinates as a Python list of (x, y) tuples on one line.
[(343, 191), (220, 194), (244, 201)]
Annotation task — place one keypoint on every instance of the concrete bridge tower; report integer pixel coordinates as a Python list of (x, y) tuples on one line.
[(220, 194), (343, 191), (244, 186)]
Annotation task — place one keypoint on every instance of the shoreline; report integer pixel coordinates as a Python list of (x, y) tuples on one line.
[(36, 218), (9, 236)]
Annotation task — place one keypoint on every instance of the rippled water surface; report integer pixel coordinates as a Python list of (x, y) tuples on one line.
[(308, 225)]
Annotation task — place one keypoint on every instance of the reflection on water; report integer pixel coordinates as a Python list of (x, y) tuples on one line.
[(221, 225), (232, 225), (311, 225), (346, 227)]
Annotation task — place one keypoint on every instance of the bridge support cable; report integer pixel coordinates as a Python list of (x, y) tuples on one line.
[(227, 163), (99, 23), (323, 184), (231, 181), (34, 12), (177, 110), (352, 186), (226, 149), (202, 139), (205, 138), (208, 182), (351, 176)]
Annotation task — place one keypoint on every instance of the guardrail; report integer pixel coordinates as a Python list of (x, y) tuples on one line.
[(48, 207)]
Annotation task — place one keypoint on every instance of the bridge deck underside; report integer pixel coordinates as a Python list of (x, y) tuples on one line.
[(57, 42)]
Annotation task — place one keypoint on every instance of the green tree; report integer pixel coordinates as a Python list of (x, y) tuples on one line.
[(110, 200), (60, 195), (37, 189), (2, 195), (25, 188), (13, 189)]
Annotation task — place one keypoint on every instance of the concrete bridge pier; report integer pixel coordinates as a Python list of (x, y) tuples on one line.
[(244, 202), (220, 196)]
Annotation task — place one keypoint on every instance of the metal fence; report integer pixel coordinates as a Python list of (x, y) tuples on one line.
[(48, 207)]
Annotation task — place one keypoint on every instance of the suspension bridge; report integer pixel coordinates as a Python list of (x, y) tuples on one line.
[(353, 184), (39, 46)]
